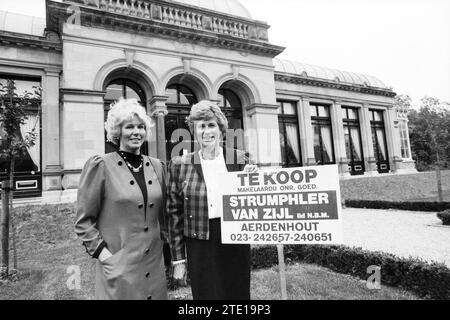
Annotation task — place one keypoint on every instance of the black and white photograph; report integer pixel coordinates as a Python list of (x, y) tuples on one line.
[(245, 151)]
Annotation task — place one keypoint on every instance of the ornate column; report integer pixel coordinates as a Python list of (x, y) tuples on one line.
[(50, 140), (370, 163), (158, 111), (337, 126), (306, 132)]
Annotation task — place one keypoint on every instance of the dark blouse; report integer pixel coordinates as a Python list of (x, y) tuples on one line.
[(136, 160)]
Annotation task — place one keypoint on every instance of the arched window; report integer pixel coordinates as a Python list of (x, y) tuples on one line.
[(179, 103), (124, 88), (231, 107), (180, 95)]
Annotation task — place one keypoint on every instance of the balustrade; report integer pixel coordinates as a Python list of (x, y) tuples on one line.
[(178, 15)]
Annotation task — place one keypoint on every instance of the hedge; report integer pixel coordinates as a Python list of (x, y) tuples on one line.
[(401, 205), (428, 280)]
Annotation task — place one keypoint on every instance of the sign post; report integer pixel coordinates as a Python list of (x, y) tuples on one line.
[(282, 206)]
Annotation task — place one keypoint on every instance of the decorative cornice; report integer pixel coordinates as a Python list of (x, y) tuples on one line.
[(315, 82), (82, 92), (155, 23), (8, 38), (262, 109)]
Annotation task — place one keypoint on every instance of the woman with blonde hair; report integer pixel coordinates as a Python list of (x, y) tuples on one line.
[(120, 210)]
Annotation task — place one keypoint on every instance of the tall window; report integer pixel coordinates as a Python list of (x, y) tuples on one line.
[(323, 137), (231, 106), (353, 145), (179, 103), (27, 168), (379, 140), (404, 140), (127, 89), (289, 134)]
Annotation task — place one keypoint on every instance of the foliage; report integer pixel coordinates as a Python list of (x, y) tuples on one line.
[(445, 217), (401, 205), (12, 116), (429, 280), (405, 187), (429, 129)]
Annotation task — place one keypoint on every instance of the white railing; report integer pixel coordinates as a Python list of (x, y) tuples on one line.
[(182, 15)]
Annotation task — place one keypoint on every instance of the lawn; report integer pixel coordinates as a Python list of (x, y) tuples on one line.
[(411, 187), (47, 248)]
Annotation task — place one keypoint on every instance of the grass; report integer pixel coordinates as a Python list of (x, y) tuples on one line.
[(411, 187), (47, 247)]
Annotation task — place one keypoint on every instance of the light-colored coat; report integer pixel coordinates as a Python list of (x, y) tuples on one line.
[(110, 208)]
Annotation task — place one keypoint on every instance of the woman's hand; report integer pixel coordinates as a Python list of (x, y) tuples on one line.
[(251, 168), (180, 274)]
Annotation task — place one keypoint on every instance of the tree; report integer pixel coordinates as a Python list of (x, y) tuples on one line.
[(12, 117), (430, 137), (429, 129)]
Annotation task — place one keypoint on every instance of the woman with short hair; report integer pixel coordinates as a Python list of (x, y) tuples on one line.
[(120, 210), (217, 271)]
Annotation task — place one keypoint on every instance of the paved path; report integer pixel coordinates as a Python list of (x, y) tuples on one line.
[(403, 233)]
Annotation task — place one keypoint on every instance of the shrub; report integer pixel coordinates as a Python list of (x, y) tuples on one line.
[(429, 280), (401, 205), (445, 217)]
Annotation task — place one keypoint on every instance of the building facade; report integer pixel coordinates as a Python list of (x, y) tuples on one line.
[(171, 54)]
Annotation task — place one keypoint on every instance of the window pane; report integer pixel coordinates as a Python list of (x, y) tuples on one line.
[(324, 111), (172, 93), (280, 110), (352, 114), (113, 92), (379, 143), (130, 93), (378, 116), (356, 144), (292, 144), (221, 100), (23, 86), (313, 111), (344, 113), (233, 100), (187, 96), (283, 143), (317, 148), (289, 108), (327, 144), (347, 145)]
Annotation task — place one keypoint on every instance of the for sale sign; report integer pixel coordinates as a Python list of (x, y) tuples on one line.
[(282, 206)]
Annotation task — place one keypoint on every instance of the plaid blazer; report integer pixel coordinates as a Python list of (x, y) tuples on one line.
[(187, 204)]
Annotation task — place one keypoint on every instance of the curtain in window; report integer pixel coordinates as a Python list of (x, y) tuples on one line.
[(381, 144), (31, 123), (356, 145), (347, 145), (317, 148), (327, 144), (292, 143)]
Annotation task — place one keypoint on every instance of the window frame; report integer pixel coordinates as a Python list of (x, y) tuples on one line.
[(284, 119), (320, 121)]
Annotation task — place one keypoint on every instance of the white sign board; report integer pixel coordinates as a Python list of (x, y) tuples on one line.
[(282, 206)]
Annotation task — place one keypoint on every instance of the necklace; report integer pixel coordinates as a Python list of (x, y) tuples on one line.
[(129, 165)]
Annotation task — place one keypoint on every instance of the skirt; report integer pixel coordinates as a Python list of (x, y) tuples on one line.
[(218, 271)]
